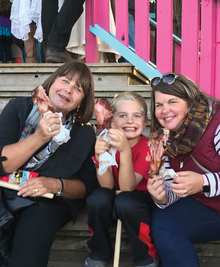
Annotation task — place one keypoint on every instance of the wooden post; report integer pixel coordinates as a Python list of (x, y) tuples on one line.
[(117, 240), (190, 39), (217, 68), (142, 29), (121, 17), (91, 45), (208, 49), (164, 35)]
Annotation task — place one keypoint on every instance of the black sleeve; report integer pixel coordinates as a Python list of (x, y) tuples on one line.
[(12, 121), (87, 174), (9, 127)]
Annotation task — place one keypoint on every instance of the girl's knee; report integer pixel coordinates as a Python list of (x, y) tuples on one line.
[(100, 198), (124, 203)]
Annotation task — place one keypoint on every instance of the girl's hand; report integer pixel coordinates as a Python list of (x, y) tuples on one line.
[(157, 189), (35, 187), (49, 122), (120, 140), (101, 146), (187, 183)]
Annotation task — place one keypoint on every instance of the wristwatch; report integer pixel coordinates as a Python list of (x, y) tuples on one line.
[(206, 189), (206, 186), (58, 194)]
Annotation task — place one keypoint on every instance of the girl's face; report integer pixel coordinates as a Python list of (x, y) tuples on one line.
[(129, 118), (170, 111), (65, 95)]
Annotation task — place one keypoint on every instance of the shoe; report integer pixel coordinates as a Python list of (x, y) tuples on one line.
[(94, 263), (57, 57), (154, 264)]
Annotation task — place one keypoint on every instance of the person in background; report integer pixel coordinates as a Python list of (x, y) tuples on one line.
[(134, 204), (26, 25), (189, 203), (5, 32), (65, 170), (57, 26)]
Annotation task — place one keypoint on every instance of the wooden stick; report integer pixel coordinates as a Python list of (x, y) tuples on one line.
[(15, 187), (117, 244), (117, 240)]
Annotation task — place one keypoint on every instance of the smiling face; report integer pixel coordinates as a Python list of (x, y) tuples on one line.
[(170, 111), (129, 118), (65, 95)]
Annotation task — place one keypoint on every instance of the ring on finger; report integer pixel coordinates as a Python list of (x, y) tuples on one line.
[(185, 192), (36, 190), (50, 131)]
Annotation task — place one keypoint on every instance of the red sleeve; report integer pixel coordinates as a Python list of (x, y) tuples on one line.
[(140, 157)]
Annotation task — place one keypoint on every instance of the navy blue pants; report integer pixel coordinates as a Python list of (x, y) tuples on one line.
[(34, 233), (177, 226), (133, 209)]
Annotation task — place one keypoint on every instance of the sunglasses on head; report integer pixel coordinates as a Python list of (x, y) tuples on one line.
[(168, 78)]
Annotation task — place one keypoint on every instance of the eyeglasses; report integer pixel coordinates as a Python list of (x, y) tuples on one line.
[(168, 78)]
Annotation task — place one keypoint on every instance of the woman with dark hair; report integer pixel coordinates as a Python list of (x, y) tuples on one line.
[(189, 203), (66, 170)]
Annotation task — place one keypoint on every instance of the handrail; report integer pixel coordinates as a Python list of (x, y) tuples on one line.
[(175, 37)]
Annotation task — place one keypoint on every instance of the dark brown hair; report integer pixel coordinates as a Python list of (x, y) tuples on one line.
[(84, 80), (183, 88)]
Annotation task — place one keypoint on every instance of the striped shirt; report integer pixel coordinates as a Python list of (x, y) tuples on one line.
[(212, 178)]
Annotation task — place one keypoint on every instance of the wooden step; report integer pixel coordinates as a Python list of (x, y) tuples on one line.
[(77, 259)]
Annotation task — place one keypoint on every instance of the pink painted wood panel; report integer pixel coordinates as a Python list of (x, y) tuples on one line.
[(164, 35), (177, 57), (91, 45), (190, 39), (121, 19), (217, 68), (142, 29), (103, 20), (208, 43)]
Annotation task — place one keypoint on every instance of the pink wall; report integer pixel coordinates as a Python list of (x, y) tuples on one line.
[(204, 70)]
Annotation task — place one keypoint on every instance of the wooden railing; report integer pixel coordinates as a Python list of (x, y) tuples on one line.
[(196, 54)]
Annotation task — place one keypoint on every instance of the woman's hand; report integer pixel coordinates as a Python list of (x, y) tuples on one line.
[(157, 189), (49, 126), (120, 140), (35, 187), (187, 183)]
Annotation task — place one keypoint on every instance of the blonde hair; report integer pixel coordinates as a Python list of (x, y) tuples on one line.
[(129, 96)]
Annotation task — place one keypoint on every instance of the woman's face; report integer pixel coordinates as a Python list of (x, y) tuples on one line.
[(170, 111), (65, 95)]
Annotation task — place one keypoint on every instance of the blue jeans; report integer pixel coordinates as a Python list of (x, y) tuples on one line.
[(177, 226)]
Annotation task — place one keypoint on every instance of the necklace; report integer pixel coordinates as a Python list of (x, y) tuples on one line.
[(182, 160)]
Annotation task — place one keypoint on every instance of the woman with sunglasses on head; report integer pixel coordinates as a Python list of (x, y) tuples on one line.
[(65, 169), (188, 205)]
